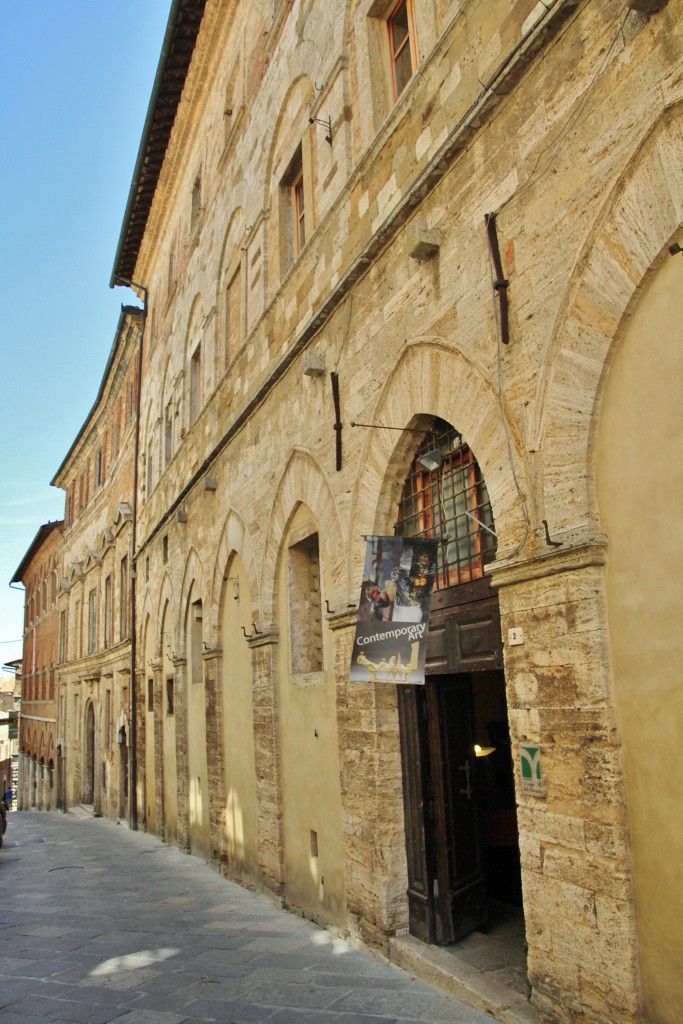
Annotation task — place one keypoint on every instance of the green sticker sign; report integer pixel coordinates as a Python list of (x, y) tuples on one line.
[(532, 774)]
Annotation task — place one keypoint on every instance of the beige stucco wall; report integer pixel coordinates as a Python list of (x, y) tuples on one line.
[(639, 469), (311, 797), (239, 811)]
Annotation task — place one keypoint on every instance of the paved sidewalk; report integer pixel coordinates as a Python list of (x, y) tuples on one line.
[(102, 924)]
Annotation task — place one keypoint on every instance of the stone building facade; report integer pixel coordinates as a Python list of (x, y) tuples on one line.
[(39, 573), (364, 234), (94, 610)]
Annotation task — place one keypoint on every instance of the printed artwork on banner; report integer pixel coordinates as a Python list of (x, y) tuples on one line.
[(393, 614)]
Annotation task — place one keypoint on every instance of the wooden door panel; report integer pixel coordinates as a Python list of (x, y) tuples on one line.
[(418, 812)]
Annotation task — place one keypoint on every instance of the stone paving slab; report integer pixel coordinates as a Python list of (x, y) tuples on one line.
[(103, 925)]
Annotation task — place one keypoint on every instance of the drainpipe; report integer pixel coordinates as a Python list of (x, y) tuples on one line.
[(133, 794)]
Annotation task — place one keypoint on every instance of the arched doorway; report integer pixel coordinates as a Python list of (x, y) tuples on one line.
[(461, 824), (89, 755)]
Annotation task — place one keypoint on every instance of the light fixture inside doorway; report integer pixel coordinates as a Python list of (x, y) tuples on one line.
[(482, 751)]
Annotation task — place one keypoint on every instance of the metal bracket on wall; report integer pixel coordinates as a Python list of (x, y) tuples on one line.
[(334, 377), (500, 283)]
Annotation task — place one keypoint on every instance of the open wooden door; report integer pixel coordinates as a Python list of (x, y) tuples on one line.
[(441, 775)]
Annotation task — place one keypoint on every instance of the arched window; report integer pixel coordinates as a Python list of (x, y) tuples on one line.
[(445, 496)]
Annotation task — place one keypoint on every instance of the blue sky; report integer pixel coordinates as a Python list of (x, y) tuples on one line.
[(75, 81)]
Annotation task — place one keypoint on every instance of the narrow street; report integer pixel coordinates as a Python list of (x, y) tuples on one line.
[(102, 924)]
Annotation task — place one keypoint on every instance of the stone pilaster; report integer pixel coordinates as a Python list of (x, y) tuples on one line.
[(578, 897), (372, 794), (213, 667), (159, 712), (181, 749), (268, 758)]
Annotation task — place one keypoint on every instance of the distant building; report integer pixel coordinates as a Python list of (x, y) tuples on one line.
[(95, 650), (10, 705), (410, 269), (40, 572)]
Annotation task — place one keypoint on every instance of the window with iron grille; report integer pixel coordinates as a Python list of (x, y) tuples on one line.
[(452, 504)]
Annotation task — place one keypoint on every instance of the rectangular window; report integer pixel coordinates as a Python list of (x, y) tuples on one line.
[(150, 468), (168, 434), (169, 696), (402, 49), (150, 695), (78, 631), (233, 315), (107, 611), (305, 606), (299, 207), (62, 636), (292, 211), (195, 383), (99, 468), (92, 621), (123, 598)]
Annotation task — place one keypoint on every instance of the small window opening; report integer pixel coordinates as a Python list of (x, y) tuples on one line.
[(305, 606)]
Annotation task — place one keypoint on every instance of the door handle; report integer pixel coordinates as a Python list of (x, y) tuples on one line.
[(468, 791)]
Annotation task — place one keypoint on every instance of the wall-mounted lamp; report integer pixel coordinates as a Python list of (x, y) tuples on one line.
[(431, 461), (325, 124)]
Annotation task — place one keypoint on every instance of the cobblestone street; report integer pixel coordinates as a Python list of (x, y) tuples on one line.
[(102, 924)]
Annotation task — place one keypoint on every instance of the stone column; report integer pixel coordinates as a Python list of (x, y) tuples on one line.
[(574, 844), (268, 758), (372, 795)]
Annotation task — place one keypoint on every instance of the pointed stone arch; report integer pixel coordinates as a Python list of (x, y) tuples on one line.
[(433, 379), (166, 598), (640, 218), (234, 539), (194, 574), (303, 482)]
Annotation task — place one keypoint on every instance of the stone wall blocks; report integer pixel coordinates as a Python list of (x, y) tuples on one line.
[(608, 839), (536, 821), (607, 998), (594, 873), (597, 954), (555, 982), (560, 900), (524, 724)]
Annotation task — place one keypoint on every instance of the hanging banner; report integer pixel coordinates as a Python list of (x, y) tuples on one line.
[(393, 614)]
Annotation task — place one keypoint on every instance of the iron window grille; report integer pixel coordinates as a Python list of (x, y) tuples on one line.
[(452, 505)]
